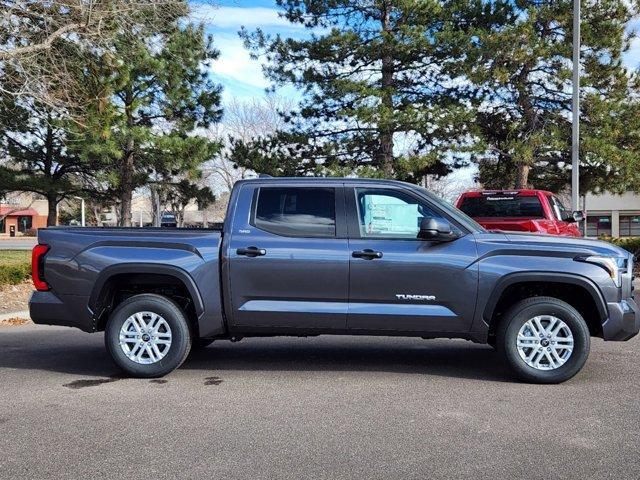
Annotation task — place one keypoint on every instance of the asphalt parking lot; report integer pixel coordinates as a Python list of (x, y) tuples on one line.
[(325, 407)]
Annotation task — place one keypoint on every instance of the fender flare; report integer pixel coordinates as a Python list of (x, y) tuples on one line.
[(136, 268), (568, 278)]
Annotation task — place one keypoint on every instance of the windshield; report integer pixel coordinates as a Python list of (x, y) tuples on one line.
[(453, 211), (502, 206)]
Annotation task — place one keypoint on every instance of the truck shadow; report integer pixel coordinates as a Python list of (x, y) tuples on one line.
[(447, 359), (79, 354)]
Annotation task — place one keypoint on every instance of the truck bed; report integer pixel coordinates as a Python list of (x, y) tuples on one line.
[(83, 263)]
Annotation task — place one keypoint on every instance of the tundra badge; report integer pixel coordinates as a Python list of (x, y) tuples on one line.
[(406, 296)]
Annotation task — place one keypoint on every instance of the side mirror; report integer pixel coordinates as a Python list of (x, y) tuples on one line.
[(436, 230), (576, 216)]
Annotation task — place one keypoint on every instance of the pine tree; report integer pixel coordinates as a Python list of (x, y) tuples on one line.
[(373, 75), (519, 63), (41, 152), (160, 93)]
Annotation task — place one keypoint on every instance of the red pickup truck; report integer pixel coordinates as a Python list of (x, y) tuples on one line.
[(520, 211)]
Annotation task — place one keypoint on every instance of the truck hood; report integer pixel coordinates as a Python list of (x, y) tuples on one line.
[(579, 245)]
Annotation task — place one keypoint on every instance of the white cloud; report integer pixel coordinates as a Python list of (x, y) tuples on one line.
[(632, 57), (235, 69), (235, 17)]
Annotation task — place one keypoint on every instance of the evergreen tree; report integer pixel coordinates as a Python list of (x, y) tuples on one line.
[(160, 94), (41, 154), (373, 75), (519, 62)]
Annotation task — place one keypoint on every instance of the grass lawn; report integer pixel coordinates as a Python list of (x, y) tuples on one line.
[(15, 266)]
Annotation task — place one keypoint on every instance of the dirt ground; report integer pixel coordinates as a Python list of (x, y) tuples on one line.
[(15, 298)]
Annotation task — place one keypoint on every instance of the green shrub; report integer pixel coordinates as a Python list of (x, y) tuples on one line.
[(14, 274), (15, 266), (631, 244)]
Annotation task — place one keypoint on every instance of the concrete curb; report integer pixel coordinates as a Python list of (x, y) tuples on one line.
[(7, 316)]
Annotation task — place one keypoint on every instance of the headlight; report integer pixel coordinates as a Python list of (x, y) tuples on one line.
[(610, 264)]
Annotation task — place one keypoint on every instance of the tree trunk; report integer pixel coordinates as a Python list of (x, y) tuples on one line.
[(522, 175), (126, 192), (97, 215), (384, 159), (126, 187), (52, 211)]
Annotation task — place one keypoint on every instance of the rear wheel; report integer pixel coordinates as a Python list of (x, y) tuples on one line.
[(148, 336), (544, 340)]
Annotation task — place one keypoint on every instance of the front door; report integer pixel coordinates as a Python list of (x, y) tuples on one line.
[(289, 259), (399, 282)]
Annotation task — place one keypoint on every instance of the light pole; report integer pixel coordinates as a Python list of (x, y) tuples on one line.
[(82, 216), (575, 110)]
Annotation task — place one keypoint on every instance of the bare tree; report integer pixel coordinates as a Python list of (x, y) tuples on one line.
[(448, 187), (18, 208), (42, 43), (244, 120)]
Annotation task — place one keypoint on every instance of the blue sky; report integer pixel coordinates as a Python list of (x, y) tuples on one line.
[(242, 77)]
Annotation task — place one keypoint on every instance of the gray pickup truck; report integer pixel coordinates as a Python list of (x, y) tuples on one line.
[(309, 256)]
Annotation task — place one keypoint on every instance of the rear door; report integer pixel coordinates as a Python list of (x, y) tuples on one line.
[(288, 257), (398, 282)]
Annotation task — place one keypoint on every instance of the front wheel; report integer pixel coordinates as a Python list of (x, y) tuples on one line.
[(148, 336), (544, 340)]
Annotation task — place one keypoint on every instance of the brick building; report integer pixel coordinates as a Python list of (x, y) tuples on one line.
[(23, 213)]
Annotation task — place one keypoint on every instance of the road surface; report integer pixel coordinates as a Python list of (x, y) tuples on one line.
[(315, 408), (18, 243)]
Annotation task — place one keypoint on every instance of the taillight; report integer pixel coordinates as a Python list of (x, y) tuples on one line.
[(37, 267)]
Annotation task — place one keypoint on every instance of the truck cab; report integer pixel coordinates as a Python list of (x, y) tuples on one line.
[(536, 211)]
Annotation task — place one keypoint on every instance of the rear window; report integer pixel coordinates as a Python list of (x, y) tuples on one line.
[(502, 206), (297, 212)]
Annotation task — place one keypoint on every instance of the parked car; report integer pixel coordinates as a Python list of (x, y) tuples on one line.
[(309, 256), (520, 211)]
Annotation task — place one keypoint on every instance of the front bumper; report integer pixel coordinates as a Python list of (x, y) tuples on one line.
[(623, 322)]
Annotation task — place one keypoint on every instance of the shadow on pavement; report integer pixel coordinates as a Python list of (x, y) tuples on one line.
[(447, 359), (69, 352)]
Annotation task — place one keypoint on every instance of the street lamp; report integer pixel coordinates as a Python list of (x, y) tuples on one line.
[(575, 110), (82, 216)]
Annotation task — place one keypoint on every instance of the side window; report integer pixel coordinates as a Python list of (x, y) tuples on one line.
[(296, 212), (390, 214), (558, 208)]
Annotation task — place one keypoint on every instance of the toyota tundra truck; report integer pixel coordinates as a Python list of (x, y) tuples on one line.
[(312, 256)]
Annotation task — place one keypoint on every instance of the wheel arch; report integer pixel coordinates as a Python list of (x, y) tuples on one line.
[(101, 298), (578, 291)]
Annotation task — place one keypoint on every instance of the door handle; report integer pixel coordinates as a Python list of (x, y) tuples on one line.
[(367, 254), (251, 252)]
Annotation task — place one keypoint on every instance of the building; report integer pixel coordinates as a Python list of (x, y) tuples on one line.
[(23, 213), (613, 215)]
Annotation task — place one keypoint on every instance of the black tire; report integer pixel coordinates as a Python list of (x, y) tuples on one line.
[(525, 310), (180, 335), (200, 343)]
